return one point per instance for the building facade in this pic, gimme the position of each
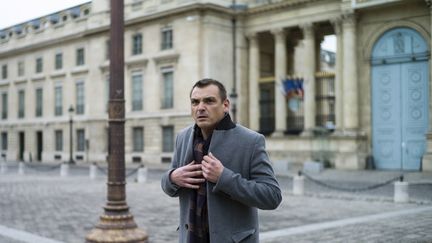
(372, 105)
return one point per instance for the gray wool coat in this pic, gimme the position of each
(247, 183)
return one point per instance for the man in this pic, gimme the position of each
(220, 172)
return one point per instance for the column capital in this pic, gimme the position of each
(251, 35)
(337, 25)
(349, 19)
(278, 32)
(253, 39)
(308, 29)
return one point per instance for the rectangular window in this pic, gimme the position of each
(39, 102)
(138, 139)
(166, 38)
(58, 101)
(136, 44)
(4, 72)
(80, 98)
(21, 104)
(168, 88)
(4, 140)
(325, 100)
(4, 106)
(39, 65)
(21, 69)
(59, 140)
(80, 140)
(137, 91)
(167, 139)
(137, 5)
(80, 57)
(59, 61)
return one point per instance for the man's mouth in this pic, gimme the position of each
(201, 116)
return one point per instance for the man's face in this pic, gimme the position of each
(207, 107)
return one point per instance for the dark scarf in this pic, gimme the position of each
(198, 230)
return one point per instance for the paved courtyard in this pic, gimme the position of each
(44, 207)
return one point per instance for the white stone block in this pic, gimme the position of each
(298, 185)
(93, 171)
(21, 168)
(401, 194)
(313, 167)
(142, 175)
(64, 170)
(3, 167)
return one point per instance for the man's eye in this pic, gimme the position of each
(209, 101)
(194, 102)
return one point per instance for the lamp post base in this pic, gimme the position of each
(117, 228)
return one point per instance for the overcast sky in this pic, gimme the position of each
(18, 11)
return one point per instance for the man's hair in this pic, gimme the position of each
(208, 81)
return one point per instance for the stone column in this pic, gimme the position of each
(280, 74)
(254, 73)
(339, 75)
(350, 86)
(309, 78)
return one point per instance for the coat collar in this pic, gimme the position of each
(225, 124)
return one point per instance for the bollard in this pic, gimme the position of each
(93, 171)
(21, 168)
(64, 170)
(401, 194)
(3, 167)
(298, 185)
(142, 175)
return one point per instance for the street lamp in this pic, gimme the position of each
(233, 98)
(71, 111)
(116, 224)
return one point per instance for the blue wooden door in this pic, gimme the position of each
(400, 79)
(415, 113)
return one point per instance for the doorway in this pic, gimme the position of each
(21, 138)
(400, 96)
(39, 145)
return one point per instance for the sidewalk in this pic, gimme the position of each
(65, 209)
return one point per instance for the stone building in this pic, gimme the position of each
(373, 103)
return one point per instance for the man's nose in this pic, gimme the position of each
(201, 106)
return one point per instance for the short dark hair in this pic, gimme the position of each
(208, 81)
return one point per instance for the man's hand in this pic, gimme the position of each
(189, 176)
(212, 168)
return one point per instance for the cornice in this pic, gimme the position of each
(278, 6)
(166, 58)
(102, 29)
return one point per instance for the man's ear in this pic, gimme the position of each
(226, 105)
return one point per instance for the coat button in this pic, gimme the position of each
(187, 226)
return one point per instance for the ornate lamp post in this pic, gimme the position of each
(71, 111)
(116, 224)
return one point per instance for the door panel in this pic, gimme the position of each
(386, 116)
(415, 113)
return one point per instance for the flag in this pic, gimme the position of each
(293, 87)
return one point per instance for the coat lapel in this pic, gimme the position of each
(189, 148)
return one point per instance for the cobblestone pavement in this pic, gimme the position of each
(65, 209)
